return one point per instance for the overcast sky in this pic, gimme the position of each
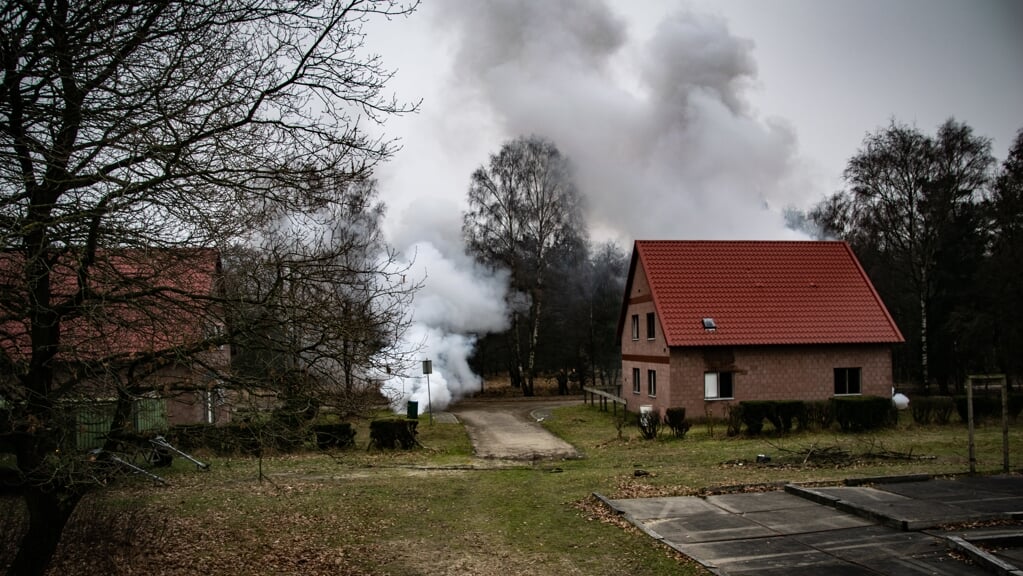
(697, 119)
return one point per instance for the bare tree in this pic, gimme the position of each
(318, 307)
(1006, 259)
(138, 128)
(906, 190)
(524, 213)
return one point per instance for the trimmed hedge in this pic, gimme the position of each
(754, 412)
(820, 415)
(221, 440)
(788, 410)
(853, 413)
(859, 413)
(932, 409)
(988, 407)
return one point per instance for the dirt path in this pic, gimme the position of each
(509, 429)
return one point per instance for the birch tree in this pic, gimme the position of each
(524, 213)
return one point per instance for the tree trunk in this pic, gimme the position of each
(48, 512)
(534, 337)
(515, 365)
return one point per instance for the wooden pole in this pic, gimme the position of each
(969, 417)
(1005, 425)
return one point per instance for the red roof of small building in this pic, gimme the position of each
(140, 301)
(761, 293)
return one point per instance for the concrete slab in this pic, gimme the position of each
(896, 510)
(988, 495)
(840, 530)
(647, 508)
(707, 527)
(759, 501)
(801, 521)
(757, 556)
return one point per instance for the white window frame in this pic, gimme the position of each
(635, 326)
(712, 386)
(636, 386)
(651, 383)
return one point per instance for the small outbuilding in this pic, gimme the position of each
(705, 324)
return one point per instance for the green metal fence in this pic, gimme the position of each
(93, 420)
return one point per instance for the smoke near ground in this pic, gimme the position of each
(459, 301)
(656, 122)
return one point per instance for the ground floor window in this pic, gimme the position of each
(847, 381)
(651, 383)
(717, 385)
(635, 381)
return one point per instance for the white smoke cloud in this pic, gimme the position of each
(663, 139)
(459, 301)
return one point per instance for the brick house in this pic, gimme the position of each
(705, 324)
(145, 327)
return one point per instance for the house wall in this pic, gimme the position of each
(646, 354)
(773, 373)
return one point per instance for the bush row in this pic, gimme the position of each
(939, 409)
(852, 413)
(248, 438)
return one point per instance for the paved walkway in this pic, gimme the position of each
(897, 528)
(510, 429)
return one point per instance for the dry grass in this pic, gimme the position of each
(438, 510)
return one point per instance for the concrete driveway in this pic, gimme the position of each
(509, 429)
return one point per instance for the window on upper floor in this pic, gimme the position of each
(847, 381)
(651, 332)
(718, 385)
(635, 326)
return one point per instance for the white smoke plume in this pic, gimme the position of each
(459, 301)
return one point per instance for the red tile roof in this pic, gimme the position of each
(761, 292)
(141, 301)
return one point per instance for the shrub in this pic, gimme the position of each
(754, 412)
(932, 409)
(676, 420)
(989, 406)
(393, 433)
(789, 410)
(339, 435)
(734, 420)
(649, 424)
(820, 414)
(859, 413)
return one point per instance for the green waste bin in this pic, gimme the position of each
(412, 410)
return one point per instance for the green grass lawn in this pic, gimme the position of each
(437, 510)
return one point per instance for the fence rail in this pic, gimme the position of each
(604, 397)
